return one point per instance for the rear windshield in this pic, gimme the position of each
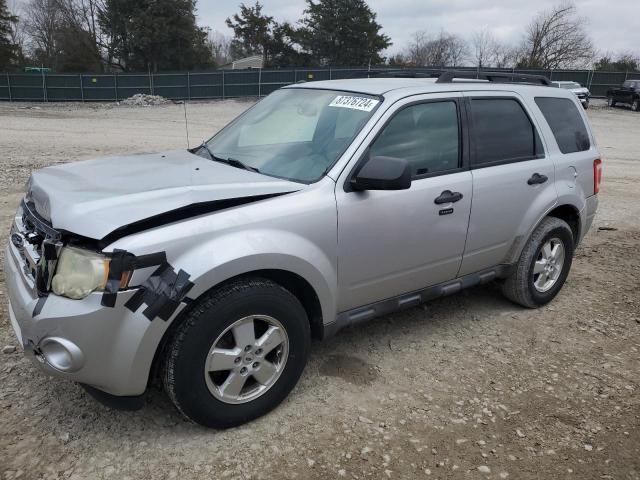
(295, 133)
(566, 123)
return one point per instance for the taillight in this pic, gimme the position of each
(597, 175)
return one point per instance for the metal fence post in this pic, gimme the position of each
(259, 82)
(188, 86)
(9, 86)
(330, 74)
(115, 84)
(223, 94)
(81, 88)
(295, 76)
(44, 87)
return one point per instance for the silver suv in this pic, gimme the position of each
(323, 206)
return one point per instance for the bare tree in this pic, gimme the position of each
(220, 47)
(444, 50)
(505, 56)
(485, 48)
(18, 34)
(557, 38)
(42, 20)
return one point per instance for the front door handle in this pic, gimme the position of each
(536, 179)
(448, 197)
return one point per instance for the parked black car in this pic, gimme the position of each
(628, 92)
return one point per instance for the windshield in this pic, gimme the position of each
(295, 133)
(570, 85)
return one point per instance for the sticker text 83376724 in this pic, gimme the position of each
(357, 103)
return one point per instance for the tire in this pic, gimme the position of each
(209, 322)
(635, 106)
(611, 102)
(586, 105)
(522, 286)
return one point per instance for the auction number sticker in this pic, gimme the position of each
(357, 103)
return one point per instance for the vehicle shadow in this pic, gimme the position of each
(339, 359)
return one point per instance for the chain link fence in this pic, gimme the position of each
(221, 84)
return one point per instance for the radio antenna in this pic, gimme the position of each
(186, 123)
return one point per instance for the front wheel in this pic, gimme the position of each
(635, 106)
(611, 102)
(543, 265)
(237, 354)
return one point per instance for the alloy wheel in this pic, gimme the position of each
(548, 266)
(246, 360)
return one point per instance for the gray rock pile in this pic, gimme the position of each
(144, 100)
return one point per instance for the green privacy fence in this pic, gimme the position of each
(221, 84)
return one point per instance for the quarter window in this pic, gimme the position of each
(503, 132)
(566, 124)
(426, 135)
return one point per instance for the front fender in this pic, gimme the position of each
(242, 252)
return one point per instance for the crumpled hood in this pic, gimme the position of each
(95, 197)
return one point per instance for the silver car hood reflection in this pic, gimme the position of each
(93, 198)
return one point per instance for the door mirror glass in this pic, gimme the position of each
(383, 173)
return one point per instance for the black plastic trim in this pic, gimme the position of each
(114, 401)
(411, 299)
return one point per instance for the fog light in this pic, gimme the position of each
(61, 354)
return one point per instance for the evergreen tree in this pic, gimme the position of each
(154, 34)
(251, 30)
(8, 50)
(258, 34)
(342, 33)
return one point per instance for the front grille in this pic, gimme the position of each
(39, 245)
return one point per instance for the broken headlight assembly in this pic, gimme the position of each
(80, 272)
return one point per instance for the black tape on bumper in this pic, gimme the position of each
(39, 304)
(162, 292)
(121, 262)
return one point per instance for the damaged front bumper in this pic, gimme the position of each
(108, 348)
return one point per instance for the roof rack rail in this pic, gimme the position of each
(402, 73)
(496, 77)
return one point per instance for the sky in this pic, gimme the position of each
(613, 24)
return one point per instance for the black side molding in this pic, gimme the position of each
(407, 300)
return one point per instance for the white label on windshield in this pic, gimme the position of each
(357, 103)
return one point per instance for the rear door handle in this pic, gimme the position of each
(448, 197)
(536, 179)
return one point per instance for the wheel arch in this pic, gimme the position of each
(571, 215)
(300, 287)
(566, 211)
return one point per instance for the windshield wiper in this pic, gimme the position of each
(229, 161)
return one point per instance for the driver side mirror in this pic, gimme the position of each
(383, 173)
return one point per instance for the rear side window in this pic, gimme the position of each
(503, 132)
(566, 124)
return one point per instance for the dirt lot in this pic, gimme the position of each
(470, 386)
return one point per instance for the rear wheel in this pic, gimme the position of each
(238, 353)
(635, 106)
(543, 265)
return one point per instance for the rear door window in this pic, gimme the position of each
(566, 124)
(502, 132)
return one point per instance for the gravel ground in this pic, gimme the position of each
(469, 386)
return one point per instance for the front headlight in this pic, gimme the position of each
(79, 272)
